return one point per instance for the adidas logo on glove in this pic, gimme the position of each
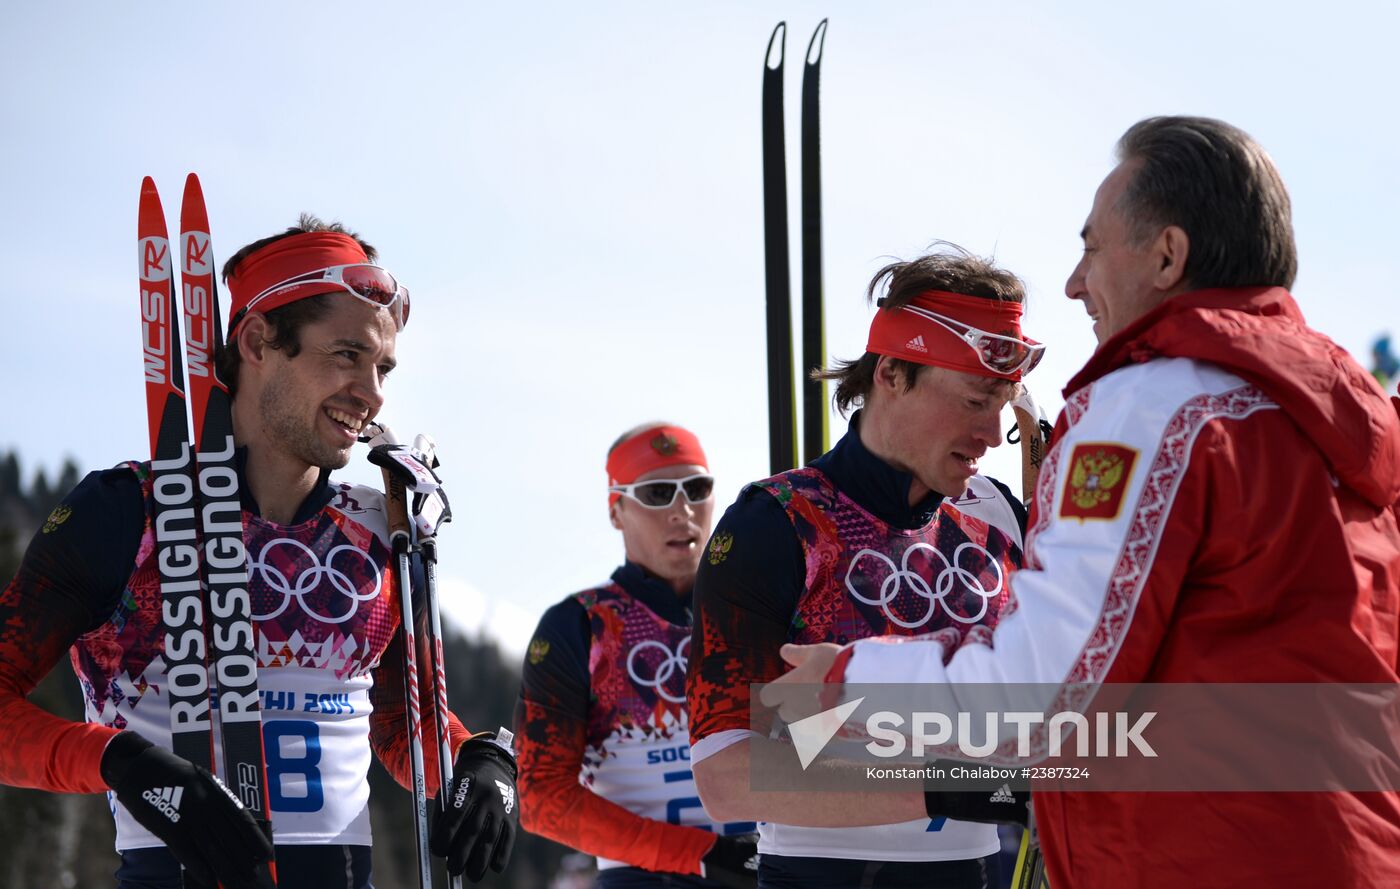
(1003, 795)
(166, 800)
(507, 795)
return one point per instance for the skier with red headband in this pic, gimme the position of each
(312, 335)
(601, 722)
(851, 546)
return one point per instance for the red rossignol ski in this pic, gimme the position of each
(172, 487)
(225, 560)
(172, 490)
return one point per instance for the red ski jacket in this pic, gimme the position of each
(1219, 506)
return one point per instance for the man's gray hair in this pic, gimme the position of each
(1219, 186)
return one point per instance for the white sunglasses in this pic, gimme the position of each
(1000, 354)
(659, 493)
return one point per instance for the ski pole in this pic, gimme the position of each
(396, 507)
(435, 662)
(428, 516)
(1033, 432)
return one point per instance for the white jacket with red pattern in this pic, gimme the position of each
(1219, 505)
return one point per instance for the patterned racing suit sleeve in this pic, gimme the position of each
(552, 731)
(744, 607)
(69, 582)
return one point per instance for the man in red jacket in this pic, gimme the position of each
(1218, 507)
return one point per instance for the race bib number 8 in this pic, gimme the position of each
(293, 752)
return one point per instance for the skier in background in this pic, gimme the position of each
(1384, 364)
(809, 556)
(310, 344)
(601, 723)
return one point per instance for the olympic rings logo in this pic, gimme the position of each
(953, 572)
(670, 663)
(311, 578)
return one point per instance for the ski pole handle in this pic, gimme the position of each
(396, 507)
(1034, 435)
(381, 440)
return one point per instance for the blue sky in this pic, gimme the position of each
(573, 194)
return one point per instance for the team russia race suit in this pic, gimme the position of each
(1249, 535)
(601, 726)
(325, 608)
(803, 557)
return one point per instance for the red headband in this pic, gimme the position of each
(653, 448)
(901, 334)
(284, 259)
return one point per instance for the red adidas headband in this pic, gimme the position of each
(651, 449)
(285, 259)
(984, 333)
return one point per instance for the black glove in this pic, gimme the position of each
(483, 813)
(203, 825)
(1003, 806)
(732, 861)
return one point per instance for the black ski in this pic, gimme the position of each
(782, 406)
(816, 427)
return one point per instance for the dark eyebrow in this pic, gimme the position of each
(361, 347)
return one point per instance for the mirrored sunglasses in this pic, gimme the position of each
(998, 353)
(363, 281)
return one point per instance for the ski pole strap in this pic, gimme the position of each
(413, 469)
(408, 465)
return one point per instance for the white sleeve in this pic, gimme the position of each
(1125, 451)
(713, 743)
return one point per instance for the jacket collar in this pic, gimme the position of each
(875, 485)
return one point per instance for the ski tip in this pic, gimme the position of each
(817, 43)
(193, 216)
(768, 60)
(150, 215)
(192, 186)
